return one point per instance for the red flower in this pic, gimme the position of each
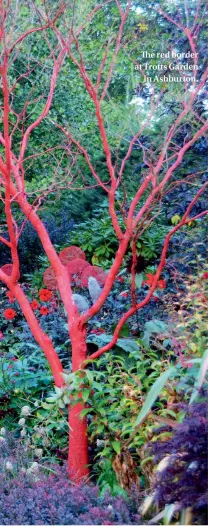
(10, 296)
(35, 305)
(44, 311)
(161, 284)
(205, 275)
(9, 314)
(1, 335)
(149, 279)
(45, 294)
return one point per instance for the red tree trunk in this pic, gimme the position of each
(78, 460)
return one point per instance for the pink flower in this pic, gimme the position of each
(1, 335)
(205, 275)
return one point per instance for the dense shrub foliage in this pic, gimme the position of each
(184, 479)
(34, 492)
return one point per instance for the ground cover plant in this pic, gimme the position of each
(103, 199)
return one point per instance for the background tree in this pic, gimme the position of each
(54, 45)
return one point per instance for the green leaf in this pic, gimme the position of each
(139, 279)
(127, 345)
(52, 399)
(85, 394)
(200, 377)
(169, 512)
(116, 446)
(45, 406)
(153, 394)
(89, 376)
(85, 412)
(105, 452)
(151, 327)
(100, 428)
(61, 404)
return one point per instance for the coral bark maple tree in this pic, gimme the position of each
(65, 48)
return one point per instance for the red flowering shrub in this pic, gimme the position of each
(94, 272)
(45, 294)
(161, 284)
(9, 314)
(44, 311)
(49, 279)
(35, 305)
(70, 253)
(75, 269)
(149, 279)
(7, 269)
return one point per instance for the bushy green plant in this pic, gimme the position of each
(98, 239)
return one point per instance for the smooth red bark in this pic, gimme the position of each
(78, 460)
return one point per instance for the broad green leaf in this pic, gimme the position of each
(153, 394)
(61, 404)
(97, 386)
(45, 406)
(155, 326)
(100, 429)
(169, 512)
(84, 412)
(89, 376)
(52, 399)
(116, 446)
(58, 390)
(148, 501)
(127, 345)
(105, 452)
(139, 279)
(85, 394)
